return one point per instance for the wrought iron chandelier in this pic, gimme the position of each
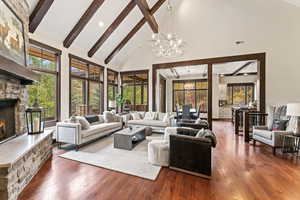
(168, 44)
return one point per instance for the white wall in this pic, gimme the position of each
(65, 70)
(211, 27)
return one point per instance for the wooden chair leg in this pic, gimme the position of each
(274, 151)
(254, 142)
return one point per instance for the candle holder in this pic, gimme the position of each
(35, 119)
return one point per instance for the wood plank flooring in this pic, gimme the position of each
(240, 172)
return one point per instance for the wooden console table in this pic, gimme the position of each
(250, 119)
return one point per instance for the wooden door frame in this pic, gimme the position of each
(261, 71)
(165, 93)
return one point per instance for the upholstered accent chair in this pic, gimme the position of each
(191, 150)
(267, 134)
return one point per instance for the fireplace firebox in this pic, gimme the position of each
(7, 119)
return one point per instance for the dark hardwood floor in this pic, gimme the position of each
(240, 172)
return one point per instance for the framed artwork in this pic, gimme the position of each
(12, 42)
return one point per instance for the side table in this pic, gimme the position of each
(290, 144)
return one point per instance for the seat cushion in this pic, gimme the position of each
(95, 129)
(263, 133)
(155, 123)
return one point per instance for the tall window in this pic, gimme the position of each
(193, 92)
(112, 88)
(135, 89)
(45, 61)
(240, 93)
(86, 87)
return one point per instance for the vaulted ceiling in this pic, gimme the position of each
(119, 17)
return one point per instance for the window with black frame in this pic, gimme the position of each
(112, 89)
(135, 90)
(240, 93)
(86, 87)
(45, 61)
(193, 92)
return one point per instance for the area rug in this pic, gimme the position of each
(103, 154)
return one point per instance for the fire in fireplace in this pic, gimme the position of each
(7, 119)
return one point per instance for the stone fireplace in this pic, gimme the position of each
(23, 156)
(7, 119)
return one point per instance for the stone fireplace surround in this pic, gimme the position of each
(23, 156)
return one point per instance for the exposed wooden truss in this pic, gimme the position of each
(85, 18)
(38, 14)
(144, 7)
(133, 32)
(112, 28)
(241, 68)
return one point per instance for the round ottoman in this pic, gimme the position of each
(158, 153)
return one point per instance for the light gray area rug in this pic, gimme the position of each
(103, 154)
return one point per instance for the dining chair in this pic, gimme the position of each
(197, 114)
(186, 114)
(178, 115)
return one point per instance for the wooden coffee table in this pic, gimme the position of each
(129, 137)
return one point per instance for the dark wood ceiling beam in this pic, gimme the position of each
(241, 68)
(112, 28)
(83, 21)
(38, 14)
(144, 7)
(133, 32)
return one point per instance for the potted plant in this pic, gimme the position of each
(120, 100)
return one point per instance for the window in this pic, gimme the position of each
(135, 89)
(45, 61)
(240, 93)
(86, 87)
(112, 87)
(193, 92)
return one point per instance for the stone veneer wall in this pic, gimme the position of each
(10, 88)
(16, 177)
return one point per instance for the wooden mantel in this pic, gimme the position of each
(15, 70)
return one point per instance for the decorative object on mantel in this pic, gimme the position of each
(12, 43)
(168, 44)
(35, 119)
(293, 110)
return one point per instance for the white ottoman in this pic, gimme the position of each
(158, 152)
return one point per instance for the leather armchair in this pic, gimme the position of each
(191, 154)
(192, 124)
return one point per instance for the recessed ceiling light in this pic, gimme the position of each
(245, 74)
(101, 24)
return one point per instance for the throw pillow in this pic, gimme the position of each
(201, 133)
(279, 125)
(92, 118)
(110, 117)
(150, 116)
(166, 118)
(136, 116)
(271, 111)
(101, 119)
(161, 116)
(83, 122)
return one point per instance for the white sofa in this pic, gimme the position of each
(159, 122)
(72, 133)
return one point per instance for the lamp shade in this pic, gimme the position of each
(293, 109)
(112, 104)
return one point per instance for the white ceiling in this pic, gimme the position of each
(64, 14)
(199, 70)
